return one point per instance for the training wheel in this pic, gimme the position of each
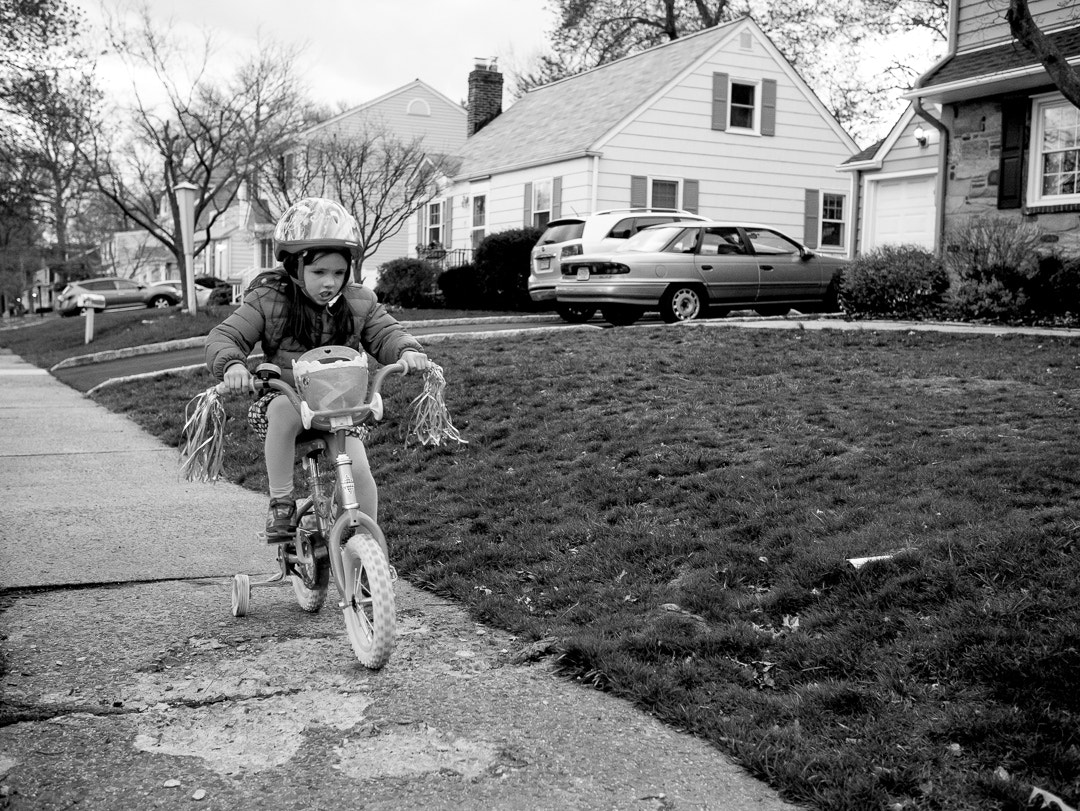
(241, 595)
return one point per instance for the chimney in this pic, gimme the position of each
(485, 94)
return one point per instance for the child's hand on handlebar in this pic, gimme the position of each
(237, 378)
(414, 361)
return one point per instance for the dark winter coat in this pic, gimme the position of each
(261, 319)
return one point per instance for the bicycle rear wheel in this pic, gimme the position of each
(310, 581)
(370, 618)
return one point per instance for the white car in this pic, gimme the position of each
(568, 237)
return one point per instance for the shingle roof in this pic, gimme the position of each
(1003, 58)
(569, 116)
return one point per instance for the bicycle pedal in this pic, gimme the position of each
(277, 540)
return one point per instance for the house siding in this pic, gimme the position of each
(981, 23)
(740, 176)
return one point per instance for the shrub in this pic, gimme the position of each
(1006, 274)
(460, 287)
(407, 282)
(502, 268)
(905, 281)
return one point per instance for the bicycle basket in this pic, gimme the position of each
(332, 378)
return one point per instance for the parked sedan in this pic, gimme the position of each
(113, 292)
(685, 269)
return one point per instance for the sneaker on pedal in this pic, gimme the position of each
(281, 520)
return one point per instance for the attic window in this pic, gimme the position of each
(743, 105)
(418, 107)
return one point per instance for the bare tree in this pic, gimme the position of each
(57, 117)
(1027, 33)
(213, 134)
(382, 179)
(34, 34)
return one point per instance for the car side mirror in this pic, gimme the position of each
(807, 254)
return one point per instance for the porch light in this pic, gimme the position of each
(921, 138)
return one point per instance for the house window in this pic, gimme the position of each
(541, 203)
(664, 194)
(434, 223)
(479, 218)
(832, 220)
(743, 107)
(266, 253)
(1055, 158)
(221, 259)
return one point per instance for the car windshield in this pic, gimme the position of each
(561, 232)
(653, 239)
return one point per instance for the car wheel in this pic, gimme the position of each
(575, 313)
(160, 302)
(767, 310)
(682, 303)
(621, 315)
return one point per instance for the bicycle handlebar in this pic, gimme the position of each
(362, 411)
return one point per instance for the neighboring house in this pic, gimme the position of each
(137, 255)
(716, 123)
(413, 111)
(1009, 139)
(896, 186)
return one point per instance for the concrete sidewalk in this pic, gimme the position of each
(121, 688)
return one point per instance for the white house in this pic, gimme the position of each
(717, 123)
(896, 182)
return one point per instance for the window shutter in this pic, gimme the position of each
(719, 101)
(1011, 167)
(810, 218)
(690, 196)
(448, 222)
(527, 206)
(421, 231)
(556, 198)
(768, 107)
(639, 191)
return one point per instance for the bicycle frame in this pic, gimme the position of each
(329, 448)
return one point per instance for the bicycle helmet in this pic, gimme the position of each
(316, 223)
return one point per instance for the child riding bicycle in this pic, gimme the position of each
(309, 301)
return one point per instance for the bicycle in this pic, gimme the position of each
(328, 512)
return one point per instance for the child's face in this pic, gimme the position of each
(324, 277)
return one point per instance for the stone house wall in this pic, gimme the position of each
(974, 169)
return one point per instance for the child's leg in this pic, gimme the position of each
(283, 424)
(367, 494)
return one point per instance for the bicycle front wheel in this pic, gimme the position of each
(370, 617)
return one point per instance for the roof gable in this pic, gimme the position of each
(569, 117)
(371, 107)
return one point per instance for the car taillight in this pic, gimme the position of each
(570, 250)
(596, 268)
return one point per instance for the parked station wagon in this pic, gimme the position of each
(686, 270)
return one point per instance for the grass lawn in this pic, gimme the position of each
(675, 508)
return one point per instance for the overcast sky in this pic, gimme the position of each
(357, 50)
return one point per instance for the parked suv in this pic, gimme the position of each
(115, 293)
(604, 231)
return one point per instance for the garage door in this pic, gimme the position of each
(903, 213)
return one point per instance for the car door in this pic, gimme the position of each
(128, 292)
(787, 274)
(725, 265)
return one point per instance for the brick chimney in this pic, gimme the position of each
(485, 95)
